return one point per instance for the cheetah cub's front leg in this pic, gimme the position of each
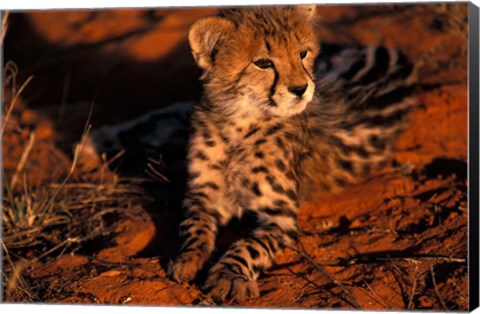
(206, 206)
(267, 187)
(234, 276)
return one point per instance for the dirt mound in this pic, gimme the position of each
(395, 241)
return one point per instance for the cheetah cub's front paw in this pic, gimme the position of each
(224, 284)
(185, 268)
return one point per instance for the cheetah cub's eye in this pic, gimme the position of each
(263, 63)
(303, 54)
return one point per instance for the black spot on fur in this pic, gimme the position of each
(185, 227)
(239, 259)
(245, 182)
(377, 142)
(280, 144)
(206, 134)
(360, 151)
(200, 232)
(252, 132)
(345, 164)
(280, 165)
(194, 175)
(216, 216)
(215, 167)
(201, 155)
(210, 143)
(258, 269)
(189, 242)
(291, 194)
(290, 175)
(224, 139)
(254, 254)
(263, 245)
(256, 190)
(259, 154)
(275, 186)
(280, 203)
(273, 129)
(260, 142)
(278, 212)
(292, 234)
(271, 245)
(346, 149)
(197, 195)
(260, 169)
(291, 137)
(211, 185)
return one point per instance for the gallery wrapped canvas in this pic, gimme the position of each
(295, 156)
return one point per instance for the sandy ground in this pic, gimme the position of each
(395, 241)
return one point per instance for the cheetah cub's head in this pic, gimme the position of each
(257, 61)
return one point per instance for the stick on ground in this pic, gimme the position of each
(323, 271)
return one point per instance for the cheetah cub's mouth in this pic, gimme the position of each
(289, 101)
(255, 63)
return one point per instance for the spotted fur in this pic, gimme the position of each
(277, 123)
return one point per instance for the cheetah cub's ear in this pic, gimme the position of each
(205, 37)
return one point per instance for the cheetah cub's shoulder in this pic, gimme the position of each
(258, 129)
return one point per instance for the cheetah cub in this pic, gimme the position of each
(266, 133)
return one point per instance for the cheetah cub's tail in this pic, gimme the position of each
(148, 135)
(364, 96)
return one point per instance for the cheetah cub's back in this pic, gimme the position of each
(263, 125)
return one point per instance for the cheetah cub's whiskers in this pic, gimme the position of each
(266, 134)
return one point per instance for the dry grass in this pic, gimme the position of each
(56, 219)
(4, 26)
(58, 215)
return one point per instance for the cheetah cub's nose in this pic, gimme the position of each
(298, 90)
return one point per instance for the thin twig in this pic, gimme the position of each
(155, 174)
(323, 271)
(18, 269)
(375, 259)
(78, 149)
(12, 104)
(4, 26)
(379, 299)
(23, 159)
(436, 289)
(413, 288)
